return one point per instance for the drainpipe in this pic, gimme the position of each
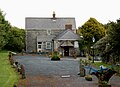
(52, 45)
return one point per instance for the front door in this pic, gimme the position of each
(66, 51)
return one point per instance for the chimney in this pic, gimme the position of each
(68, 26)
(53, 14)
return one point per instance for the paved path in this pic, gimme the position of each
(42, 72)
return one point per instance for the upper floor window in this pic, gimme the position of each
(39, 42)
(48, 32)
(48, 45)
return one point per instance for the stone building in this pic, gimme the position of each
(49, 34)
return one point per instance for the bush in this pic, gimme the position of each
(88, 78)
(55, 56)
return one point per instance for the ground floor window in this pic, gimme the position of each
(48, 45)
(39, 46)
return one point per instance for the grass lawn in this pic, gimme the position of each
(8, 76)
(98, 64)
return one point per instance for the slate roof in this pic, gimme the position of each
(67, 43)
(45, 38)
(67, 35)
(49, 23)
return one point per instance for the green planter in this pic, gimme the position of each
(55, 56)
(55, 59)
(102, 85)
(88, 78)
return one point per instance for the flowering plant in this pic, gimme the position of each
(88, 78)
(104, 75)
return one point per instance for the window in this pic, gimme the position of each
(48, 45)
(48, 32)
(39, 42)
(39, 46)
(76, 44)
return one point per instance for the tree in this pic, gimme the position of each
(91, 28)
(103, 49)
(16, 40)
(110, 44)
(2, 40)
(4, 29)
(11, 38)
(114, 40)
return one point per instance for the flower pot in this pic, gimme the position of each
(103, 85)
(88, 78)
(55, 59)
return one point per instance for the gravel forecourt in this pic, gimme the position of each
(42, 72)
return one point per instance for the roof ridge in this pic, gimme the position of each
(63, 33)
(48, 22)
(49, 17)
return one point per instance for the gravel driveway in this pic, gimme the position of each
(42, 72)
(44, 66)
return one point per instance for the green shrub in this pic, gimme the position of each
(88, 78)
(55, 56)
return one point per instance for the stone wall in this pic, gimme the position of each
(31, 38)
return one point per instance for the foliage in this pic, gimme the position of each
(85, 62)
(104, 75)
(115, 67)
(55, 56)
(110, 44)
(89, 57)
(11, 38)
(74, 53)
(91, 28)
(4, 29)
(82, 47)
(8, 76)
(98, 64)
(114, 40)
(16, 40)
(88, 77)
(2, 39)
(102, 47)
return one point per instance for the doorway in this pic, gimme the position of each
(66, 51)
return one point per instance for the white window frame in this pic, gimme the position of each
(76, 44)
(39, 49)
(49, 32)
(48, 45)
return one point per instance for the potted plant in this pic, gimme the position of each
(88, 77)
(55, 56)
(74, 54)
(104, 76)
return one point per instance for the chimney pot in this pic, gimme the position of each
(53, 14)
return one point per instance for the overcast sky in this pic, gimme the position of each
(82, 10)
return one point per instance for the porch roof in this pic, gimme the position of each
(67, 43)
(67, 35)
